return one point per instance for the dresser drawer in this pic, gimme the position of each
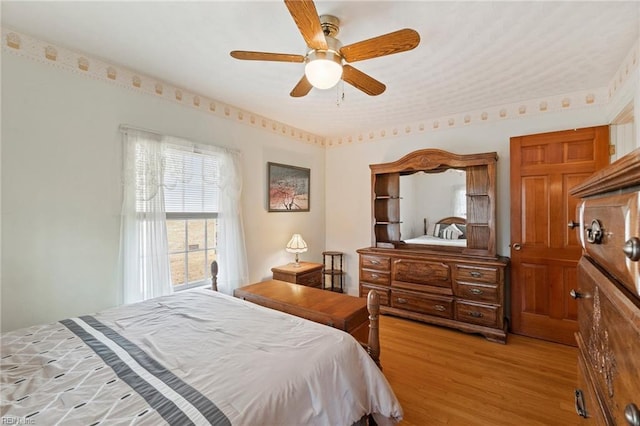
(380, 263)
(607, 224)
(476, 273)
(475, 313)
(374, 277)
(609, 327)
(439, 306)
(477, 292)
(587, 402)
(383, 292)
(422, 272)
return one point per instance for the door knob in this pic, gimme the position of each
(573, 224)
(575, 294)
(516, 246)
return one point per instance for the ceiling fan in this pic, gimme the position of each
(324, 61)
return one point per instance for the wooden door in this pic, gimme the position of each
(544, 250)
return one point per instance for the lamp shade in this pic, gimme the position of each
(323, 69)
(296, 244)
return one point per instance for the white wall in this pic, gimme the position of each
(61, 188)
(349, 208)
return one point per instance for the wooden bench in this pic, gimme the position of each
(351, 314)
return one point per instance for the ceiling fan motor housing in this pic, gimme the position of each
(330, 25)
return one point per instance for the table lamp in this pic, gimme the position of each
(296, 245)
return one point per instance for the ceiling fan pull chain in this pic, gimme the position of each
(339, 93)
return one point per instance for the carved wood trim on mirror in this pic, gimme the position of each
(480, 199)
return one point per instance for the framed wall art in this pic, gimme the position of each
(288, 188)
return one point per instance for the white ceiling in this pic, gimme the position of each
(472, 55)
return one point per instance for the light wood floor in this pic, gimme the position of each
(446, 377)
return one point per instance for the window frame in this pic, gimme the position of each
(191, 216)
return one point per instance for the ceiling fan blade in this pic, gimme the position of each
(305, 15)
(302, 88)
(388, 44)
(265, 56)
(362, 81)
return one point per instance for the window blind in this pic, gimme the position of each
(191, 182)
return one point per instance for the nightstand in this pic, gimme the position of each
(308, 273)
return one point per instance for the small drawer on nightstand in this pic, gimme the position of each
(305, 273)
(311, 279)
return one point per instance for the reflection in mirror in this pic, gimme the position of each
(426, 200)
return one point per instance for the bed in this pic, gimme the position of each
(449, 231)
(195, 357)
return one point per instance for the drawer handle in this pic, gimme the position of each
(631, 249)
(476, 291)
(439, 308)
(476, 314)
(632, 414)
(375, 276)
(579, 403)
(594, 233)
(375, 262)
(401, 300)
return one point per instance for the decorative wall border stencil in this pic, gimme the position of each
(568, 101)
(627, 68)
(29, 47)
(23, 45)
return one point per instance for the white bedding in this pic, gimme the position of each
(227, 361)
(428, 239)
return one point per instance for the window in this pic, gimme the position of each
(191, 205)
(460, 201)
(180, 211)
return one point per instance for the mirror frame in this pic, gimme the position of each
(481, 206)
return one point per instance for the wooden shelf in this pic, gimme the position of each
(333, 273)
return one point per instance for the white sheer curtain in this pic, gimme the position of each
(144, 247)
(231, 251)
(232, 258)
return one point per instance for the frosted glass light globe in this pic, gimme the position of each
(324, 73)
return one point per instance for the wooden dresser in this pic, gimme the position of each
(608, 294)
(457, 286)
(308, 273)
(466, 293)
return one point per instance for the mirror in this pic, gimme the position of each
(419, 213)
